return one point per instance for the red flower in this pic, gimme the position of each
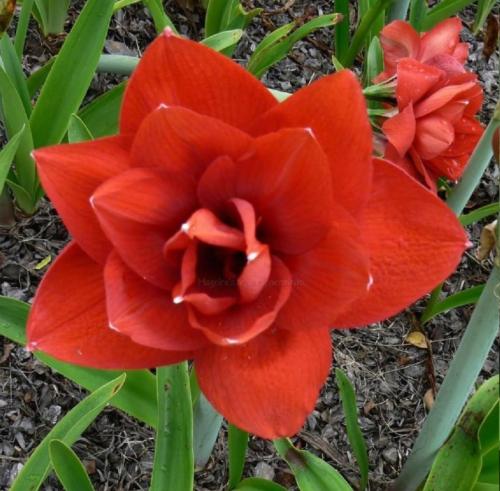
(435, 131)
(440, 47)
(223, 227)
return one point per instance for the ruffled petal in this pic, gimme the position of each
(70, 174)
(144, 313)
(442, 39)
(178, 72)
(183, 142)
(287, 180)
(335, 110)
(243, 322)
(139, 210)
(399, 40)
(269, 385)
(68, 320)
(415, 243)
(328, 278)
(433, 136)
(414, 81)
(400, 130)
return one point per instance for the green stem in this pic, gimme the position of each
(22, 27)
(283, 446)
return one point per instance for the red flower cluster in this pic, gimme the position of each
(435, 130)
(223, 227)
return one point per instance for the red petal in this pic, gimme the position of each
(447, 63)
(449, 167)
(70, 174)
(245, 321)
(145, 313)
(184, 142)
(399, 40)
(442, 39)
(400, 129)
(179, 72)
(461, 52)
(415, 243)
(335, 109)
(269, 385)
(139, 210)
(441, 97)
(414, 81)
(68, 320)
(328, 278)
(433, 136)
(287, 180)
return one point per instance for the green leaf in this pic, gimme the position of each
(68, 467)
(489, 469)
(256, 484)
(22, 27)
(262, 59)
(418, 11)
(101, 116)
(52, 15)
(223, 40)
(238, 442)
(224, 15)
(460, 378)
(160, 18)
(484, 7)
(7, 156)
(363, 30)
(342, 36)
(174, 460)
(207, 424)
(489, 432)
(73, 70)
(311, 473)
(138, 395)
(458, 463)
(14, 70)
(465, 297)
(442, 11)
(398, 10)
(374, 63)
(348, 398)
(15, 118)
(69, 429)
(78, 131)
(37, 78)
(479, 214)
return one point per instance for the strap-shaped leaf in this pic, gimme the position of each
(69, 429)
(238, 442)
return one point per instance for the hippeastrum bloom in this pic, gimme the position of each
(440, 47)
(435, 131)
(222, 227)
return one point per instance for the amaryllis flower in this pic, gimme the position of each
(440, 47)
(435, 131)
(225, 228)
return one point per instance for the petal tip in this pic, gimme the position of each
(168, 32)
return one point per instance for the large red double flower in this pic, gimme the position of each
(223, 227)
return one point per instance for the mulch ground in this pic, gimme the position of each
(391, 376)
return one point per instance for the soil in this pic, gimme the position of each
(390, 375)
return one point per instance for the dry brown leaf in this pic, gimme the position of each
(490, 36)
(7, 8)
(369, 407)
(429, 399)
(487, 241)
(7, 348)
(417, 338)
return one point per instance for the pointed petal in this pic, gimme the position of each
(178, 72)
(447, 63)
(415, 243)
(183, 142)
(70, 174)
(145, 313)
(433, 136)
(328, 278)
(246, 321)
(68, 319)
(414, 81)
(399, 40)
(139, 210)
(400, 130)
(269, 385)
(335, 110)
(442, 39)
(287, 180)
